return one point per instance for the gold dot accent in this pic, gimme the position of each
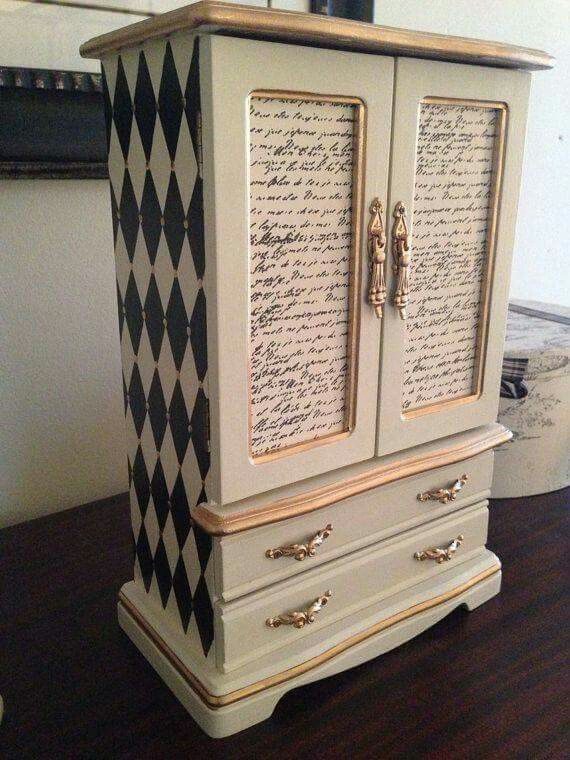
(164, 321)
(185, 223)
(140, 217)
(162, 221)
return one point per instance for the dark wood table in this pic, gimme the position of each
(491, 683)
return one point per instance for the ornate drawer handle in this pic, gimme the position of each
(444, 495)
(438, 554)
(376, 258)
(402, 259)
(300, 619)
(301, 551)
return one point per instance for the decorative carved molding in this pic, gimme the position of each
(52, 124)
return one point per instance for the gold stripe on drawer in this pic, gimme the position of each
(317, 498)
(217, 701)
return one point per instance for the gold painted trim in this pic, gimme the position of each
(314, 29)
(354, 285)
(491, 258)
(309, 501)
(217, 701)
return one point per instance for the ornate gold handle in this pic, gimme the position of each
(300, 619)
(444, 495)
(376, 258)
(440, 554)
(301, 551)
(402, 259)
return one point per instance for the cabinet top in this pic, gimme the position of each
(213, 17)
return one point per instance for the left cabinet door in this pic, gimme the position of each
(296, 147)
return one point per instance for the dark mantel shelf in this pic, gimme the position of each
(491, 683)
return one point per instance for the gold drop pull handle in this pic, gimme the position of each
(300, 619)
(402, 259)
(444, 495)
(301, 551)
(376, 258)
(440, 554)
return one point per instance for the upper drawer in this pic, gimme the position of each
(242, 564)
(355, 583)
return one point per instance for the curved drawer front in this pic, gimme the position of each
(242, 564)
(251, 627)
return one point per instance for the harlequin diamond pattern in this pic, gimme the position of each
(152, 100)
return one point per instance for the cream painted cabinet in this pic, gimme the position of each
(313, 223)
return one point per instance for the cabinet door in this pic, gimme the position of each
(296, 144)
(458, 140)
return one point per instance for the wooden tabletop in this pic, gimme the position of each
(491, 683)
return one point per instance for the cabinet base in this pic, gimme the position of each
(227, 713)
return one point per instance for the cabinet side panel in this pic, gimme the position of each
(152, 101)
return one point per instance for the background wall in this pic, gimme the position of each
(540, 269)
(62, 432)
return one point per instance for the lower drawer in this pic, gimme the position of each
(241, 561)
(354, 582)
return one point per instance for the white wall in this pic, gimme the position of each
(541, 270)
(61, 431)
(61, 409)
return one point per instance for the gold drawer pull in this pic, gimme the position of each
(438, 554)
(376, 258)
(444, 495)
(300, 619)
(402, 259)
(301, 551)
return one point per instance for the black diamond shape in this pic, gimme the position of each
(125, 393)
(145, 557)
(196, 229)
(157, 410)
(107, 107)
(198, 336)
(192, 97)
(203, 545)
(182, 593)
(145, 106)
(154, 317)
(180, 511)
(151, 215)
(129, 468)
(122, 109)
(129, 215)
(162, 571)
(120, 310)
(177, 323)
(199, 435)
(137, 400)
(141, 481)
(159, 491)
(179, 422)
(133, 312)
(114, 214)
(204, 615)
(174, 220)
(170, 104)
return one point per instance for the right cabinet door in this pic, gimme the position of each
(458, 140)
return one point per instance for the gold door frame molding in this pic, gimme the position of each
(215, 701)
(308, 501)
(358, 167)
(491, 250)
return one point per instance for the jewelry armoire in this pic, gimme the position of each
(313, 222)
